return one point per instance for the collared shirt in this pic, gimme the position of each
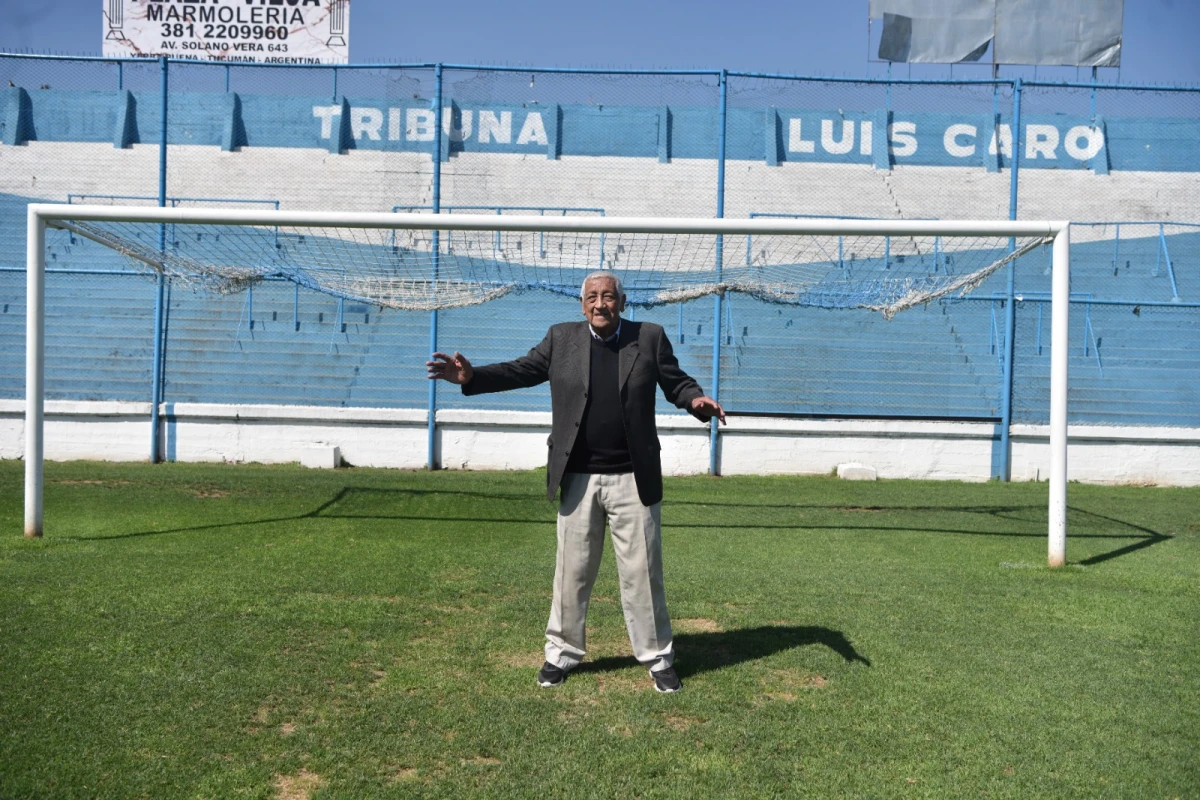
(608, 339)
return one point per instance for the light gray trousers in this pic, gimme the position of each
(585, 504)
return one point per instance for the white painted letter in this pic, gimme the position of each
(1095, 142)
(902, 139)
(796, 143)
(866, 135)
(326, 115)
(953, 147)
(393, 124)
(533, 130)
(420, 125)
(499, 129)
(1040, 139)
(366, 121)
(845, 145)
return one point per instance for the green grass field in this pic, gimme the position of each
(250, 631)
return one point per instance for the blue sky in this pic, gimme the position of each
(801, 37)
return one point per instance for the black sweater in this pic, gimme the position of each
(601, 446)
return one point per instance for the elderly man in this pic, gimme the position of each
(604, 455)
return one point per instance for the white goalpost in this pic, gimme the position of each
(422, 261)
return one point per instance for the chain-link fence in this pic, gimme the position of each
(1119, 162)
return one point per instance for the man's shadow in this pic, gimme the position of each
(705, 652)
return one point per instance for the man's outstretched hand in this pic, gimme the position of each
(705, 408)
(455, 368)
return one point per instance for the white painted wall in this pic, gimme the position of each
(476, 439)
(364, 180)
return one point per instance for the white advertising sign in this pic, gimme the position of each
(248, 31)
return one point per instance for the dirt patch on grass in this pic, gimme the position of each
(681, 722)
(209, 493)
(459, 609)
(325, 597)
(404, 774)
(297, 787)
(459, 575)
(481, 761)
(788, 684)
(781, 697)
(696, 625)
(578, 708)
(527, 659)
(623, 682)
(287, 729)
(813, 681)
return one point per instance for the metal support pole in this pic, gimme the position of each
(714, 467)
(35, 370)
(160, 284)
(1092, 105)
(431, 461)
(1010, 316)
(1010, 327)
(1059, 317)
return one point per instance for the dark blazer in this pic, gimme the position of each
(563, 358)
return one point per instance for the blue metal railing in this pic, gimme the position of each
(1162, 247)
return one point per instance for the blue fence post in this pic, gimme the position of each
(436, 156)
(713, 436)
(156, 389)
(1002, 461)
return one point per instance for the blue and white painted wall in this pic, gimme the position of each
(363, 152)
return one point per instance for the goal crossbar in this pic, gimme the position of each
(65, 216)
(53, 212)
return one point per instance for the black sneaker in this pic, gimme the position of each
(551, 675)
(666, 681)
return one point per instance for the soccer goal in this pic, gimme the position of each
(421, 261)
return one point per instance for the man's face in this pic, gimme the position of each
(602, 305)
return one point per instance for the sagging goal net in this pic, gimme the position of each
(426, 261)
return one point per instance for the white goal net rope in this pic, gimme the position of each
(411, 269)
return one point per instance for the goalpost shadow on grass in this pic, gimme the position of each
(373, 503)
(1146, 537)
(707, 652)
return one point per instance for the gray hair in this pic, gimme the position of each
(606, 275)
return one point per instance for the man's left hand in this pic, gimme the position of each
(705, 408)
